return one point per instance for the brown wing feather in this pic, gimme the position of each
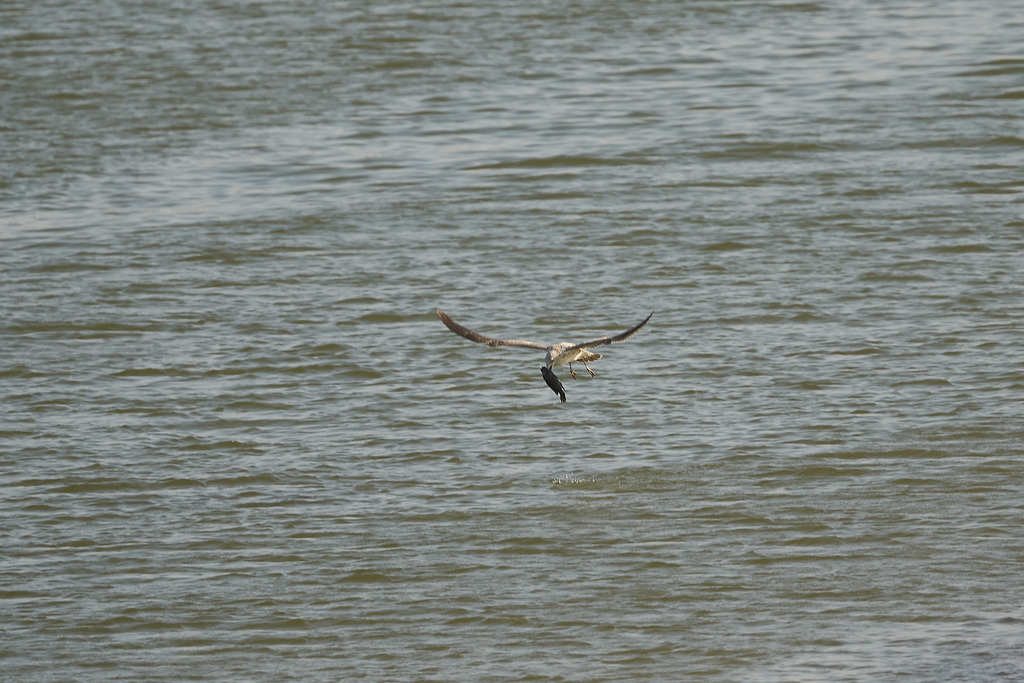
(482, 339)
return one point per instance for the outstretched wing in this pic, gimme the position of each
(490, 341)
(603, 340)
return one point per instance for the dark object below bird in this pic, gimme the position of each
(553, 382)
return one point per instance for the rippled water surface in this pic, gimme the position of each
(236, 442)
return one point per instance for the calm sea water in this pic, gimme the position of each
(236, 443)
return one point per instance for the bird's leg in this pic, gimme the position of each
(592, 373)
(572, 372)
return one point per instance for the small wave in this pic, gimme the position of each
(383, 317)
(973, 248)
(366, 576)
(561, 160)
(643, 479)
(924, 381)
(725, 245)
(67, 267)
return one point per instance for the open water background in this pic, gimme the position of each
(235, 442)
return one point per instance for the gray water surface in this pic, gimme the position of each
(236, 443)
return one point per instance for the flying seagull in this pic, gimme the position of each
(562, 353)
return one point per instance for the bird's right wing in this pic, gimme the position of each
(477, 337)
(622, 336)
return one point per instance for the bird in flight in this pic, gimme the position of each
(562, 353)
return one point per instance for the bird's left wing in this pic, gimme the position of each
(490, 341)
(603, 340)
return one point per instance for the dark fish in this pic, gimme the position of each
(553, 382)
